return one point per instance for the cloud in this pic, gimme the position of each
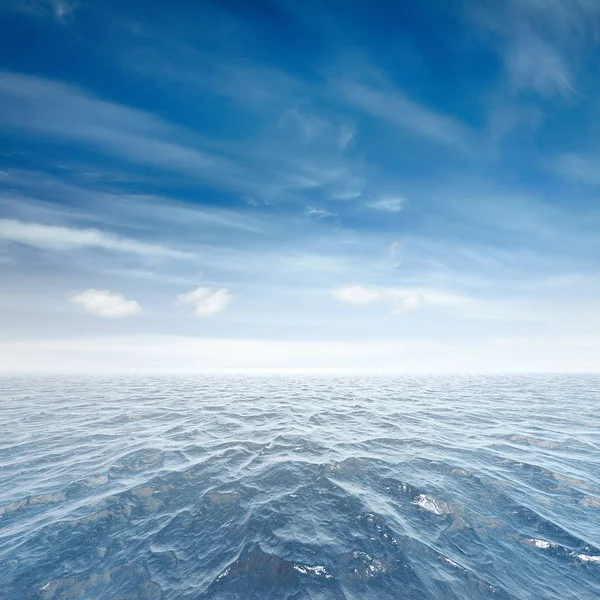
(62, 111)
(402, 304)
(348, 188)
(394, 248)
(102, 303)
(533, 64)
(398, 300)
(308, 126)
(264, 168)
(61, 10)
(52, 237)
(396, 108)
(318, 213)
(388, 204)
(585, 169)
(562, 16)
(542, 43)
(207, 301)
(357, 295)
(299, 153)
(346, 135)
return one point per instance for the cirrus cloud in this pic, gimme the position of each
(103, 303)
(207, 301)
(53, 237)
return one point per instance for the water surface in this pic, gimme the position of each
(178, 487)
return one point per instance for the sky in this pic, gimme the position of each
(230, 185)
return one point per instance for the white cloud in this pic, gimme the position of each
(52, 237)
(585, 169)
(348, 189)
(63, 8)
(308, 126)
(388, 204)
(560, 15)
(51, 108)
(398, 300)
(357, 295)
(60, 9)
(346, 135)
(394, 107)
(318, 213)
(394, 248)
(541, 42)
(401, 304)
(274, 164)
(207, 301)
(103, 303)
(534, 64)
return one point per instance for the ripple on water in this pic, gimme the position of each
(290, 487)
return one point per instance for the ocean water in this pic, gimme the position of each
(283, 486)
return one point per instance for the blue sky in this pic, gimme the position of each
(403, 186)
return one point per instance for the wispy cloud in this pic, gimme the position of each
(87, 203)
(52, 237)
(102, 303)
(64, 112)
(301, 155)
(398, 300)
(577, 167)
(207, 301)
(390, 204)
(308, 126)
(318, 213)
(394, 248)
(61, 10)
(395, 107)
(534, 64)
(541, 42)
(346, 136)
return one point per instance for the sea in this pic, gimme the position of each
(299, 486)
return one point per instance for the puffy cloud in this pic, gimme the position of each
(207, 301)
(52, 237)
(103, 303)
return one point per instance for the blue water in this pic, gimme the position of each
(300, 487)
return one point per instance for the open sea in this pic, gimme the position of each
(300, 487)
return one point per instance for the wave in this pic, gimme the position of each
(299, 488)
